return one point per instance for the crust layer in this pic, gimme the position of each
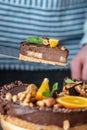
(12, 124)
(32, 59)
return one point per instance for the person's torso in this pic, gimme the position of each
(62, 19)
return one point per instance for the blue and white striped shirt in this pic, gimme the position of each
(62, 19)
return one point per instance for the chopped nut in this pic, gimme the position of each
(62, 59)
(40, 103)
(9, 96)
(45, 42)
(22, 97)
(31, 104)
(32, 89)
(26, 100)
(19, 94)
(25, 97)
(56, 106)
(15, 98)
(28, 96)
(24, 103)
(49, 102)
(63, 48)
(82, 89)
(66, 125)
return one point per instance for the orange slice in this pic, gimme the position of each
(44, 86)
(72, 102)
(53, 42)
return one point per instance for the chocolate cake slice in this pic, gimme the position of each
(19, 110)
(43, 50)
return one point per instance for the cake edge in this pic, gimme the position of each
(10, 123)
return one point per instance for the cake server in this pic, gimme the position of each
(12, 51)
(9, 52)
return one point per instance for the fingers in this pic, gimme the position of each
(79, 65)
(76, 68)
(79, 69)
(84, 71)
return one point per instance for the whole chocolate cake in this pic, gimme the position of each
(25, 107)
(44, 50)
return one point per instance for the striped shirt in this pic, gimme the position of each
(62, 19)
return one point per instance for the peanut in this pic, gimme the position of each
(40, 103)
(66, 125)
(49, 102)
(9, 96)
(56, 106)
(31, 104)
(63, 48)
(15, 98)
(19, 94)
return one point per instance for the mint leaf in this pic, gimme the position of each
(35, 40)
(69, 81)
(47, 93)
(55, 86)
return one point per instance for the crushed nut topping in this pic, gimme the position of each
(28, 97)
(77, 88)
(82, 89)
(25, 97)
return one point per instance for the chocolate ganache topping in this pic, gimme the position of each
(38, 115)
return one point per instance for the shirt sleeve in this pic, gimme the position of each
(84, 38)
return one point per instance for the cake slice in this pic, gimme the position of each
(43, 50)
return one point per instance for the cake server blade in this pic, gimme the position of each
(9, 52)
(7, 56)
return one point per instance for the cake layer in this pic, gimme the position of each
(44, 54)
(47, 116)
(43, 116)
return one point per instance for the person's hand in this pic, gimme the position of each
(79, 65)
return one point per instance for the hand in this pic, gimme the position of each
(79, 65)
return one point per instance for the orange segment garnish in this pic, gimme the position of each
(72, 102)
(53, 42)
(44, 86)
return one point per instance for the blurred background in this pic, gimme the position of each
(7, 76)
